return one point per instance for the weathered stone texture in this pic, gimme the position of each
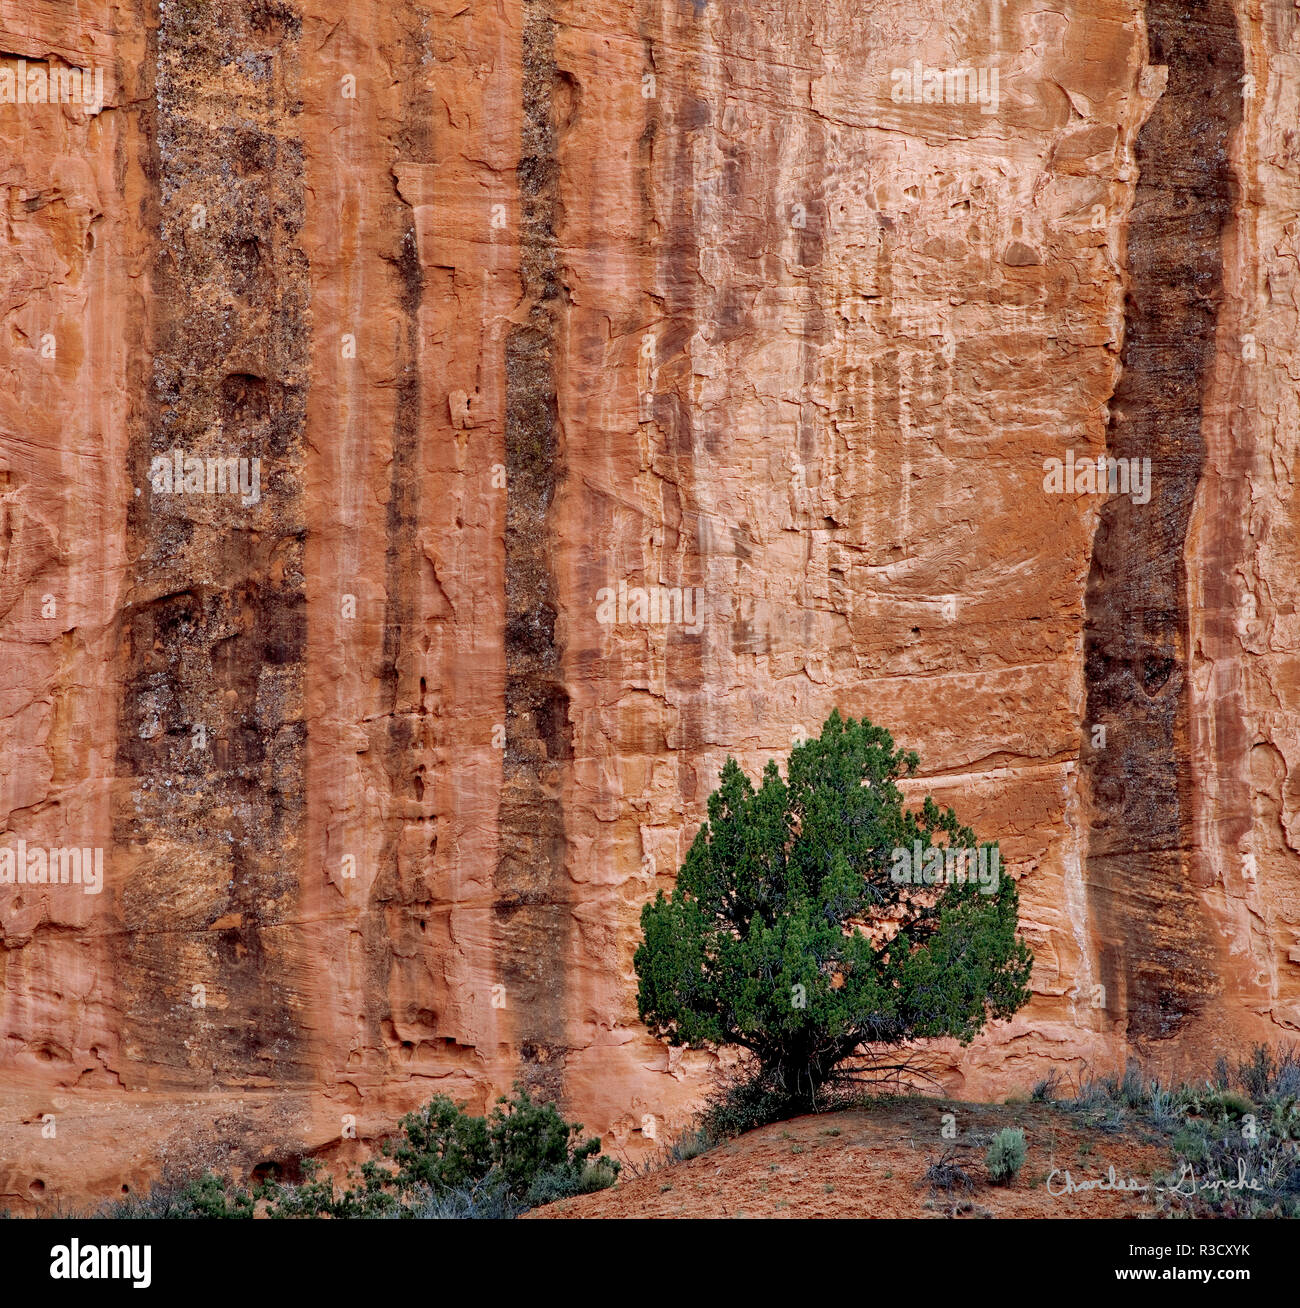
(516, 302)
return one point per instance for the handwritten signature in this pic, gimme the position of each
(1187, 1184)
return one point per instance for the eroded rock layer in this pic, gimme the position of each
(516, 311)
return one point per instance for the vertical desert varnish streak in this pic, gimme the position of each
(1156, 953)
(208, 826)
(532, 878)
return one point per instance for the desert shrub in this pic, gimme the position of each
(441, 1146)
(480, 1201)
(316, 1196)
(1286, 1076)
(1006, 1155)
(1163, 1108)
(1284, 1118)
(1255, 1075)
(1270, 1073)
(210, 1198)
(744, 1100)
(946, 1174)
(1090, 1095)
(536, 1151)
(1234, 1106)
(557, 1183)
(1227, 1175)
(1190, 1144)
(445, 1162)
(1132, 1090)
(1212, 1102)
(524, 1148)
(691, 1144)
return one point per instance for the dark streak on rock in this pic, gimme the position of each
(401, 895)
(532, 880)
(1157, 960)
(214, 627)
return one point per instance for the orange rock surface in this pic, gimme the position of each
(514, 302)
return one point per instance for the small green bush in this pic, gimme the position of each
(1191, 1144)
(744, 1102)
(445, 1163)
(441, 1146)
(1215, 1103)
(315, 1195)
(1005, 1155)
(690, 1144)
(537, 1152)
(210, 1198)
(521, 1155)
(561, 1183)
(1235, 1106)
(1284, 1121)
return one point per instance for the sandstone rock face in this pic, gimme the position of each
(365, 364)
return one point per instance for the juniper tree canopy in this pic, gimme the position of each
(792, 933)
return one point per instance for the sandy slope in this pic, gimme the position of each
(869, 1163)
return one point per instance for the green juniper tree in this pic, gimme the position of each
(792, 934)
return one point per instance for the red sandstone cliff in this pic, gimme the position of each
(514, 302)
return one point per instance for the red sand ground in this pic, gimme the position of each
(869, 1163)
